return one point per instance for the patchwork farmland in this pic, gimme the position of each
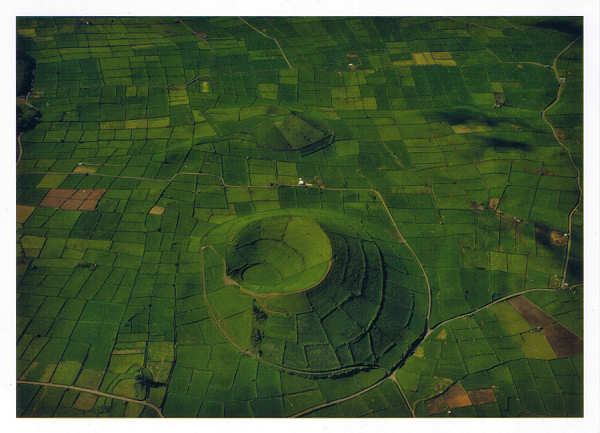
(299, 217)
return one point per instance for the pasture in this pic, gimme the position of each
(300, 216)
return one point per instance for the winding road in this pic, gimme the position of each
(95, 392)
(506, 298)
(392, 374)
(562, 83)
(428, 329)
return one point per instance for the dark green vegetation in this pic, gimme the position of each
(422, 270)
(27, 117)
(25, 67)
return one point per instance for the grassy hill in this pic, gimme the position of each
(169, 262)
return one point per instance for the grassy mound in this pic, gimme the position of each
(306, 133)
(279, 254)
(366, 310)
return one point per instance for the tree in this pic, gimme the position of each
(145, 378)
(26, 119)
(259, 314)
(256, 336)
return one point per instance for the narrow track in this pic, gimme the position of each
(24, 101)
(429, 329)
(20, 148)
(391, 375)
(400, 237)
(218, 323)
(223, 184)
(95, 392)
(566, 148)
(412, 411)
(489, 304)
(339, 400)
(269, 37)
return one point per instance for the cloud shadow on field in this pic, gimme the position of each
(461, 116)
(562, 26)
(500, 143)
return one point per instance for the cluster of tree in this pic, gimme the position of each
(259, 314)
(27, 119)
(25, 67)
(256, 336)
(145, 378)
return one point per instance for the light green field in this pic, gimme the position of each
(291, 254)
(430, 264)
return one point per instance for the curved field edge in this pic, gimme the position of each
(426, 386)
(244, 309)
(185, 366)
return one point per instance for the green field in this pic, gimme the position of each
(300, 216)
